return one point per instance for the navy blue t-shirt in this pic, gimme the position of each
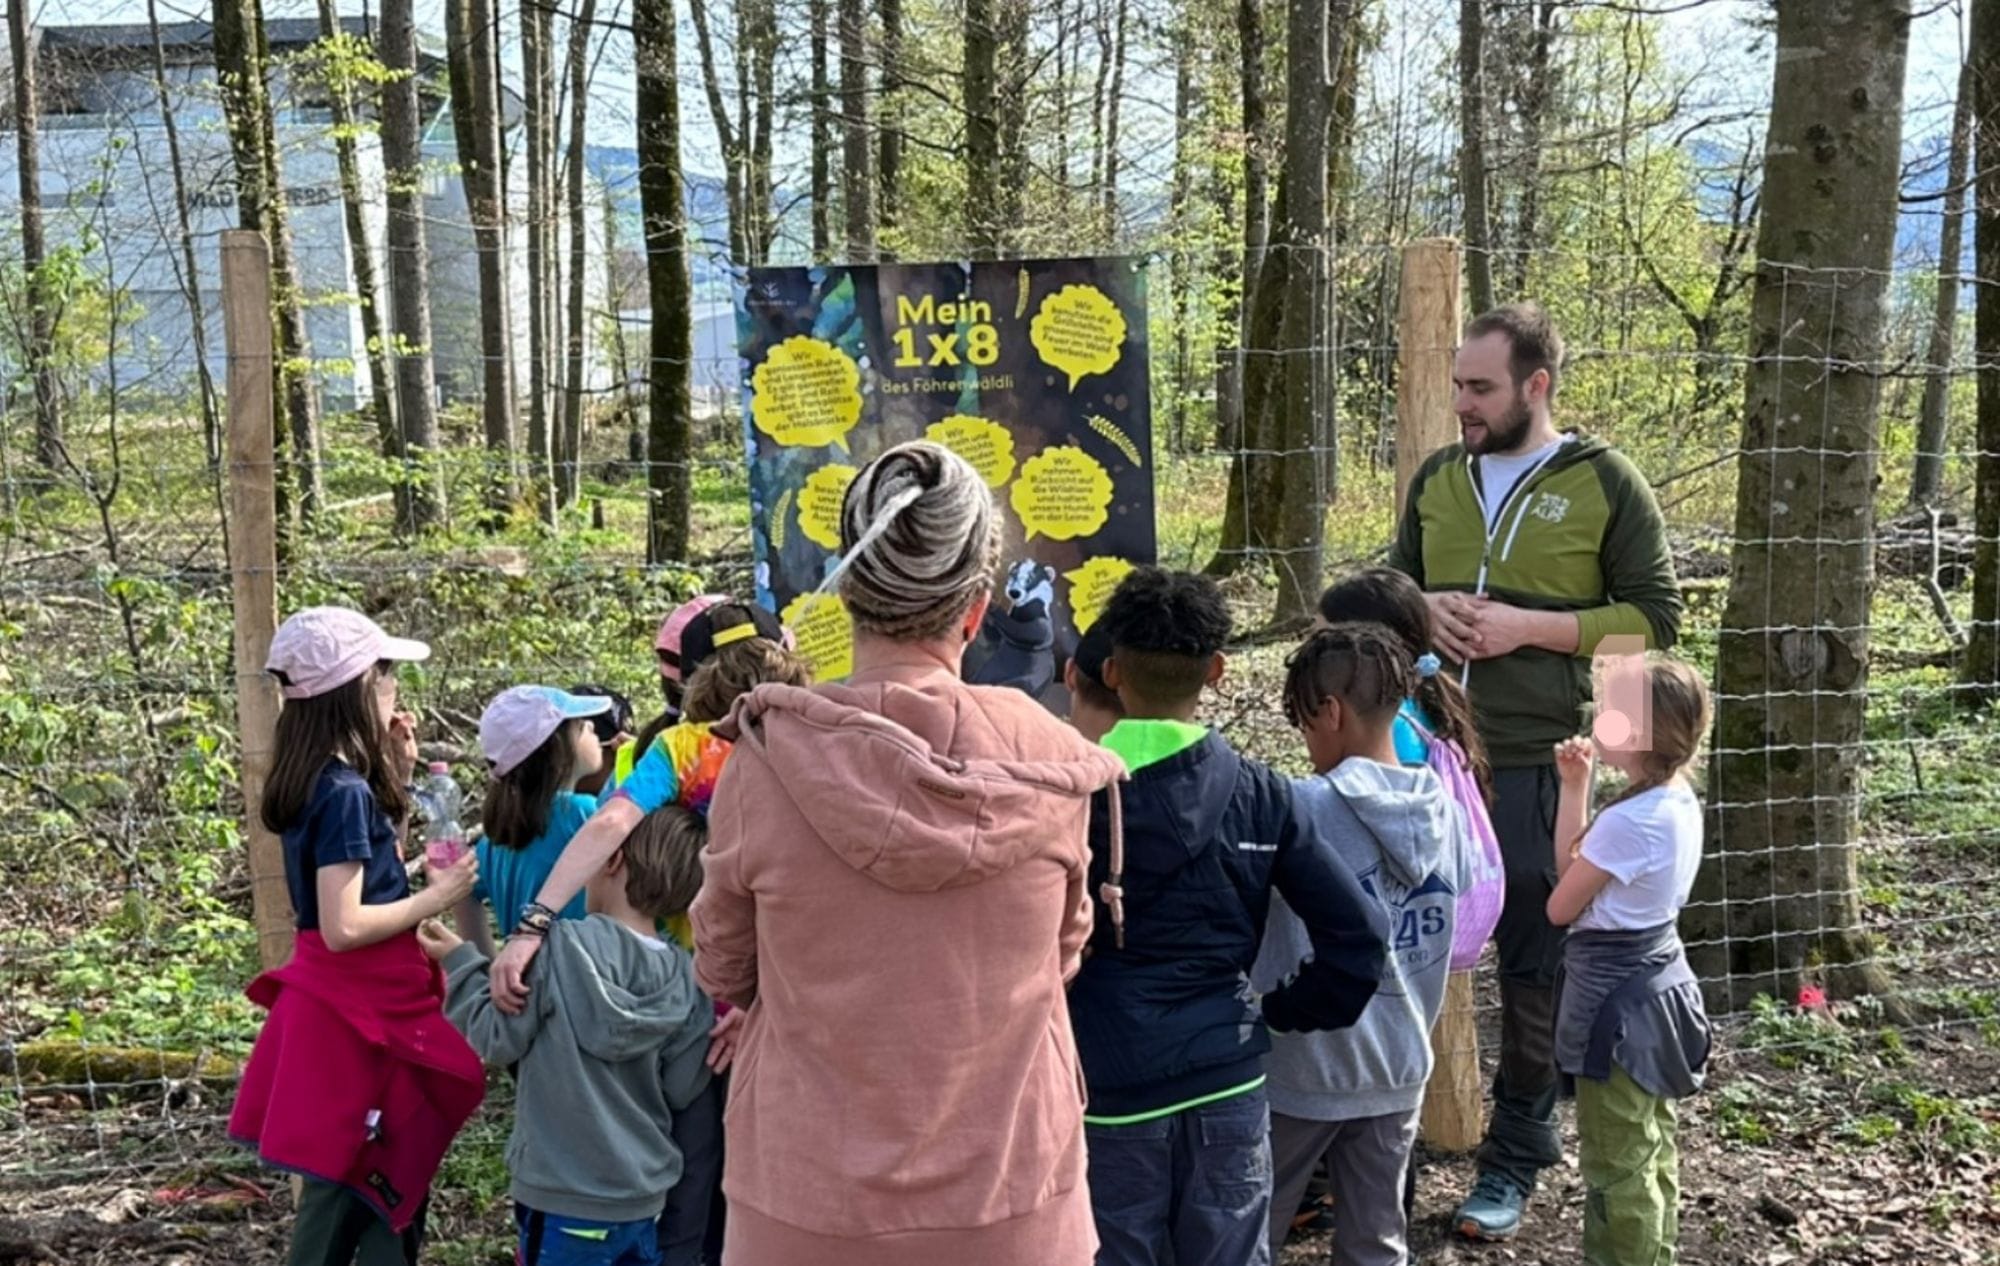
(342, 823)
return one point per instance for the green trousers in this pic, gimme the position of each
(1631, 1173)
(334, 1227)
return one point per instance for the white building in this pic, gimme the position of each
(107, 174)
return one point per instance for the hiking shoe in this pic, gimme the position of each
(1492, 1211)
(1315, 1214)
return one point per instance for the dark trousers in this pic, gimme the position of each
(552, 1239)
(335, 1227)
(691, 1224)
(1521, 1138)
(1190, 1189)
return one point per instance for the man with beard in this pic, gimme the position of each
(1533, 546)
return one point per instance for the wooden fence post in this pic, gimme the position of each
(253, 567)
(1427, 325)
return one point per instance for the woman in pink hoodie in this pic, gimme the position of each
(895, 891)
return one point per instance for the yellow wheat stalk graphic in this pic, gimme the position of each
(780, 517)
(1119, 440)
(1021, 299)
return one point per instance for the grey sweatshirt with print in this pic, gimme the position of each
(1407, 844)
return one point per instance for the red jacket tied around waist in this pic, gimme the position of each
(357, 1077)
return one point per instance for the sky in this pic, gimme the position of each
(1692, 33)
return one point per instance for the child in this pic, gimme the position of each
(737, 648)
(610, 1050)
(1354, 1096)
(1382, 595)
(1093, 706)
(1630, 1029)
(1438, 710)
(356, 1083)
(1170, 1036)
(538, 743)
(691, 630)
(667, 649)
(614, 734)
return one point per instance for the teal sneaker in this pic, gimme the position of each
(1492, 1211)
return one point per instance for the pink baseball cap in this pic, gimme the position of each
(668, 643)
(323, 648)
(520, 719)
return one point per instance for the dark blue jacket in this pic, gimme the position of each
(1171, 1017)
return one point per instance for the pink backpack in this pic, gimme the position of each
(1478, 909)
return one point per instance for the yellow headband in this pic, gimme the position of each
(737, 633)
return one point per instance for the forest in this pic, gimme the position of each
(501, 243)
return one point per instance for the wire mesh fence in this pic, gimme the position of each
(126, 932)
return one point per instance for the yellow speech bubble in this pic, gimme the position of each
(1063, 493)
(825, 633)
(1091, 586)
(806, 393)
(819, 504)
(987, 445)
(1078, 331)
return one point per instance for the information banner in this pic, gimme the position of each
(1036, 372)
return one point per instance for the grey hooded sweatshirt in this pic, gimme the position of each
(613, 1043)
(1406, 841)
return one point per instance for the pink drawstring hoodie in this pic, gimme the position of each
(895, 888)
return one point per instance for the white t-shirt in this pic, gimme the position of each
(1498, 475)
(1651, 847)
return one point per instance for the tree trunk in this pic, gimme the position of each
(1540, 85)
(246, 104)
(360, 252)
(189, 269)
(1177, 217)
(537, 60)
(1345, 102)
(672, 340)
(1098, 102)
(983, 224)
(300, 397)
(759, 180)
(475, 115)
(1927, 475)
(891, 174)
(1012, 90)
(1981, 667)
(1472, 155)
(1110, 209)
(1253, 489)
(857, 174)
(40, 343)
(1781, 886)
(727, 134)
(1256, 220)
(569, 452)
(420, 501)
(1064, 61)
(822, 135)
(1315, 34)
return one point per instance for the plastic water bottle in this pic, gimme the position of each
(444, 836)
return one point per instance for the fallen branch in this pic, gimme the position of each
(72, 1063)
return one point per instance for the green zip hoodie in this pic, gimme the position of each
(1581, 533)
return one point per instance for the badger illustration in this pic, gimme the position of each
(1020, 642)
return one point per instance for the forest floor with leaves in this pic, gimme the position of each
(124, 902)
(1816, 1144)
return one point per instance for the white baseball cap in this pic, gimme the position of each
(520, 720)
(323, 648)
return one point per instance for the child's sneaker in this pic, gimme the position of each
(1492, 1211)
